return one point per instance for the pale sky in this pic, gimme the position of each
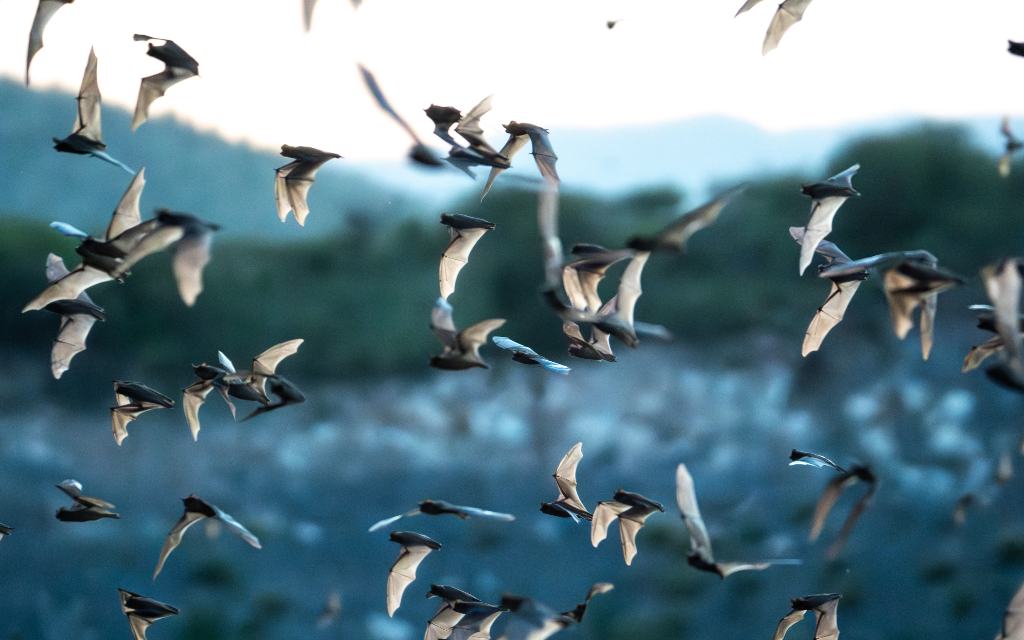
(550, 62)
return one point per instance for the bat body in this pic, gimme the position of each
(142, 612)
(1016, 48)
(178, 66)
(85, 508)
(631, 510)
(197, 509)
(465, 232)
(440, 507)
(461, 348)
(293, 180)
(86, 137)
(826, 198)
(525, 355)
(415, 547)
(44, 13)
(133, 399)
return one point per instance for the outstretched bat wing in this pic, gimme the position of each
(789, 13)
(127, 215)
(266, 363)
(44, 12)
(173, 539)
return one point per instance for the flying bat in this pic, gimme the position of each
(415, 547)
(293, 180)
(840, 294)
(461, 348)
(1004, 282)
(99, 257)
(525, 355)
(465, 232)
(580, 610)
(810, 459)
(440, 507)
(632, 511)
(675, 235)
(1016, 48)
(420, 152)
(142, 612)
(308, 7)
(86, 136)
(912, 284)
(788, 13)
(44, 12)
(76, 320)
(580, 280)
(178, 66)
(826, 625)
(85, 508)
(476, 622)
(197, 509)
(826, 198)
(5, 530)
(835, 488)
(533, 620)
(190, 237)
(457, 605)
(981, 352)
(133, 399)
(543, 153)
(701, 557)
(568, 503)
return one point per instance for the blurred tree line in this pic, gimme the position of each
(361, 296)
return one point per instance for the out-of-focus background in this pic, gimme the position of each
(645, 128)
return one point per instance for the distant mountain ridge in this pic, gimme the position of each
(232, 183)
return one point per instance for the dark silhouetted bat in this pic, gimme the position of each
(197, 509)
(440, 507)
(632, 511)
(293, 181)
(85, 508)
(568, 503)
(133, 399)
(178, 66)
(142, 612)
(525, 355)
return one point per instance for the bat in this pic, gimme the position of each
(531, 620)
(701, 556)
(1016, 48)
(440, 507)
(580, 610)
(442, 624)
(789, 13)
(525, 355)
(465, 232)
(840, 294)
(461, 348)
(826, 198)
(191, 238)
(568, 503)
(142, 612)
(913, 284)
(85, 508)
(86, 136)
(510, 149)
(197, 509)
(581, 277)
(293, 180)
(415, 547)
(543, 152)
(835, 488)
(307, 14)
(476, 622)
(77, 317)
(824, 606)
(132, 400)
(286, 392)
(178, 66)
(420, 152)
(44, 13)
(678, 232)
(632, 511)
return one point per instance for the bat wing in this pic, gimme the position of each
(1003, 284)
(629, 287)
(192, 400)
(844, 533)
(471, 338)
(789, 13)
(69, 287)
(511, 148)
(547, 224)
(829, 496)
(827, 627)
(159, 239)
(813, 460)
(139, 626)
(173, 539)
(442, 324)
(469, 127)
(1013, 619)
(191, 255)
(153, 87)
(627, 536)
(929, 306)
(726, 569)
(55, 269)
(605, 512)
(236, 527)
(380, 524)
(455, 257)
(565, 477)
(787, 622)
(1005, 164)
(282, 197)
(70, 341)
(679, 232)
(88, 123)
(747, 6)
(266, 363)
(829, 314)
(543, 153)
(440, 626)
(979, 353)
(44, 12)
(474, 512)
(820, 225)
(686, 500)
(307, 13)
(573, 286)
(382, 102)
(403, 573)
(127, 215)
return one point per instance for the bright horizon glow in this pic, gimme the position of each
(551, 63)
